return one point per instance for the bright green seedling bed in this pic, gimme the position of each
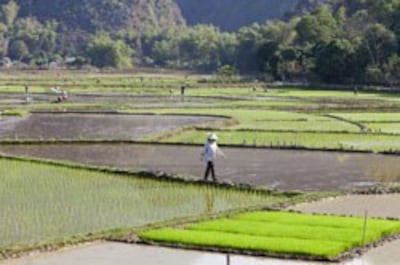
(280, 233)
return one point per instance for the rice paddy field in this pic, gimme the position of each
(323, 237)
(335, 141)
(42, 203)
(273, 128)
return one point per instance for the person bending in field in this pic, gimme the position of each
(209, 155)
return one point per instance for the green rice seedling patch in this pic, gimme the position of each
(283, 129)
(285, 92)
(242, 115)
(14, 112)
(313, 125)
(279, 233)
(279, 229)
(311, 93)
(240, 242)
(40, 202)
(266, 104)
(21, 89)
(218, 92)
(386, 127)
(386, 227)
(320, 140)
(370, 117)
(96, 83)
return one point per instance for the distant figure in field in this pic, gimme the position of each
(183, 90)
(28, 99)
(63, 94)
(209, 155)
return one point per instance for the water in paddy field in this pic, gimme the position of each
(124, 254)
(93, 126)
(281, 169)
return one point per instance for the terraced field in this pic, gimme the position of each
(48, 204)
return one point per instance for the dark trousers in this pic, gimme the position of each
(210, 167)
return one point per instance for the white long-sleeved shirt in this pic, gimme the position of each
(211, 150)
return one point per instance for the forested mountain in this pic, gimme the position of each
(333, 41)
(36, 31)
(107, 15)
(232, 14)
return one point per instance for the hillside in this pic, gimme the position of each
(97, 15)
(230, 15)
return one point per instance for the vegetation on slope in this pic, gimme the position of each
(232, 15)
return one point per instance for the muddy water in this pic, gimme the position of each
(99, 126)
(123, 254)
(7, 123)
(281, 169)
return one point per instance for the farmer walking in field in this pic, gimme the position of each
(209, 155)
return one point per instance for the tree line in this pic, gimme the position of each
(334, 41)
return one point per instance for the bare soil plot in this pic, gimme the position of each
(385, 205)
(96, 126)
(283, 169)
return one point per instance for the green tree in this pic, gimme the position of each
(3, 40)
(104, 52)
(290, 61)
(9, 13)
(227, 48)
(249, 41)
(380, 43)
(339, 62)
(341, 17)
(269, 59)
(392, 68)
(18, 50)
(39, 38)
(165, 52)
(320, 27)
(226, 73)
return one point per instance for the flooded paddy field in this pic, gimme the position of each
(93, 126)
(281, 169)
(173, 100)
(123, 254)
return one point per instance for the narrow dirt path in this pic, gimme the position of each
(124, 254)
(383, 206)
